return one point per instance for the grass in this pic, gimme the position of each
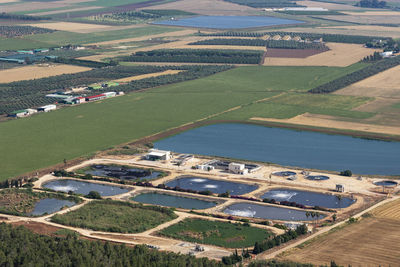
(223, 234)
(115, 216)
(46, 139)
(60, 38)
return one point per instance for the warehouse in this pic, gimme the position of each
(47, 108)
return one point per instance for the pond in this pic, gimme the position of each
(267, 212)
(81, 187)
(228, 22)
(215, 186)
(288, 147)
(122, 172)
(173, 201)
(50, 205)
(386, 183)
(308, 198)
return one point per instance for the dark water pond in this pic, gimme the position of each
(173, 201)
(228, 22)
(81, 187)
(215, 186)
(308, 198)
(266, 212)
(386, 183)
(50, 205)
(121, 172)
(317, 177)
(289, 147)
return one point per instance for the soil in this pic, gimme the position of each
(37, 227)
(292, 53)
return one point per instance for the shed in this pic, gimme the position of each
(237, 168)
(156, 154)
(339, 188)
(47, 108)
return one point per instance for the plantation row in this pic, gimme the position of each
(68, 250)
(26, 94)
(356, 76)
(197, 56)
(15, 31)
(260, 42)
(5, 15)
(83, 63)
(265, 3)
(334, 38)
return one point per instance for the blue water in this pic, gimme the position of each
(267, 212)
(122, 172)
(50, 205)
(228, 22)
(215, 186)
(173, 201)
(81, 187)
(308, 198)
(289, 147)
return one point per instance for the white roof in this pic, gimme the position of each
(157, 154)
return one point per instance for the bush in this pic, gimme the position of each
(346, 173)
(93, 195)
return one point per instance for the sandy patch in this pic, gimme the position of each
(373, 13)
(373, 30)
(32, 6)
(385, 84)
(329, 6)
(367, 20)
(65, 11)
(149, 75)
(340, 55)
(73, 27)
(36, 72)
(8, 1)
(332, 122)
(208, 7)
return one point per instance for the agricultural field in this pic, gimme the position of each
(223, 234)
(113, 216)
(170, 104)
(38, 71)
(375, 245)
(60, 38)
(338, 56)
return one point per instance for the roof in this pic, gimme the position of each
(19, 111)
(157, 154)
(95, 96)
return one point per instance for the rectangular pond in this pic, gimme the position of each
(173, 201)
(267, 212)
(308, 198)
(50, 205)
(228, 22)
(215, 186)
(122, 172)
(81, 187)
(288, 147)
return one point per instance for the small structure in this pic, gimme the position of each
(79, 100)
(205, 167)
(387, 54)
(237, 168)
(95, 97)
(339, 188)
(47, 108)
(19, 113)
(156, 154)
(110, 94)
(199, 248)
(31, 111)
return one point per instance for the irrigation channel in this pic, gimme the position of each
(288, 147)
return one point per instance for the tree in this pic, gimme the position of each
(346, 173)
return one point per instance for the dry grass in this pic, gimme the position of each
(371, 29)
(373, 13)
(384, 84)
(149, 75)
(340, 55)
(390, 210)
(36, 72)
(208, 7)
(65, 10)
(75, 27)
(17, 7)
(389, 18)
(334, 122)
(371, 242)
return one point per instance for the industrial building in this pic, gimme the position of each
(237, 168)
(47, 108)
(156, 154)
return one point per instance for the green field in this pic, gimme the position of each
(223, 234)
(46, 139)
(60, 38)
(115, 216)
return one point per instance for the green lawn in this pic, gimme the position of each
(223, 234)
(115, 216)
(60, 38)
(46, 139)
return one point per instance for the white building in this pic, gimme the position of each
(237, 168)
(205, 167)
(110, 94)
(47, 108)
(339, 188)
(156, 154)
(387, 54)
